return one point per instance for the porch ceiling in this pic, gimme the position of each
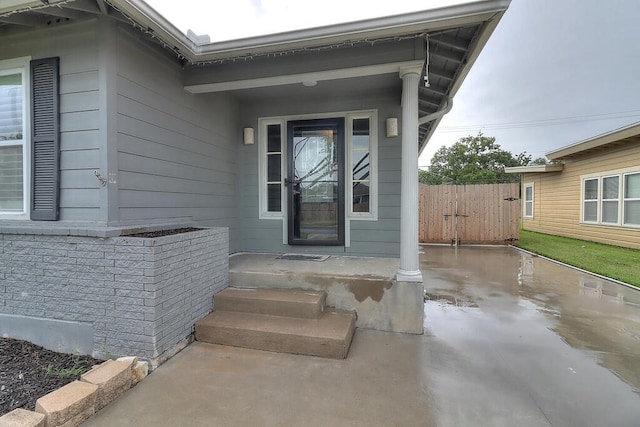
(362, 55)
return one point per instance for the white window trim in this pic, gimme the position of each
(524, 199)
(596, 201)
(263, 212)
(372, 215)
(624, 199)
(13, 66)
(263, 197)
(601, 199)
(621, 173)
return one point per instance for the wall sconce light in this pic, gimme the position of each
(248, 138)
(392, 127)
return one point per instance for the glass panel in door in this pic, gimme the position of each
(315, 182)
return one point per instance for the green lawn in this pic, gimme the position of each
(610, 261)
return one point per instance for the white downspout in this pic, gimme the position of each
(438, 114)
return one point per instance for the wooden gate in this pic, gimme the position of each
(470, 214)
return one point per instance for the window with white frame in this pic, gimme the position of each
(528, 200)
(361, 193)
(13, 146)
(612, 199)
(271, 148)
(590, 200)
(631, 200)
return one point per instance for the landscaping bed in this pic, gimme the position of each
(28, 372)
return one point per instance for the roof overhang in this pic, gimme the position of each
(611, 138)
(455, 35)
(408, 23)
(555, 167)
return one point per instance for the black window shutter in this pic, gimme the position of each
(45, 137)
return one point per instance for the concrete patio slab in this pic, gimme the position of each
(510, 339)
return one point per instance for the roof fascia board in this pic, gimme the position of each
(535, 169)
(598, 141)
(446, 17)
(434, 20)
(160, 27)
(343, 73)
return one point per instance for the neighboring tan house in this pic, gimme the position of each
(113, 122)
(592, 193)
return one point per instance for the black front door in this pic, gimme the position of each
(315, 183)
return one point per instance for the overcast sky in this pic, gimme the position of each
(554, 72)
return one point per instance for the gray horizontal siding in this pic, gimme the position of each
(80, 142)
(176, 157)
(375, 238)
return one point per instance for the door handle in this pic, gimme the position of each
(288, 181)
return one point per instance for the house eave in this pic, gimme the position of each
(432, 20)
(595, 143)
(535, 168)
(17, 6)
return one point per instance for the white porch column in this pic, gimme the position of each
(409, 265)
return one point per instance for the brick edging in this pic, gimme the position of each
(77, 401)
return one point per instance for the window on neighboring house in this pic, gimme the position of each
(12, 141)
(631, 199)
(610, 199)
(590, 200)
(528, 200)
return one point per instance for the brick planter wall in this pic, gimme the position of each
(109, 296)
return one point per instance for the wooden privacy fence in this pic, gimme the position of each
(470, 214)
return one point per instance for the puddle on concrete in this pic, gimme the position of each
(449, 299)
(520, 300)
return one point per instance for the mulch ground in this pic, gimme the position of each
(28, 372)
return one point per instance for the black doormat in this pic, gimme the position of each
(302, 257)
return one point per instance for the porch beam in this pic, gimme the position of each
(341, 73)
(409, 265)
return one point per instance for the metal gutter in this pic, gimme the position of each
(598, 141)
(535, 168)
(466, 14)
(10, 7)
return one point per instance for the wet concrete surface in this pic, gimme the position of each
(510, 340)
(515, 339)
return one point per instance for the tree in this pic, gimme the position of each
(543, 161)
(539, 161)
(472, 159)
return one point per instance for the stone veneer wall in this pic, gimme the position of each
(109, 296)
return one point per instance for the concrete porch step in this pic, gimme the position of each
(329, 336)
(275, 302)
